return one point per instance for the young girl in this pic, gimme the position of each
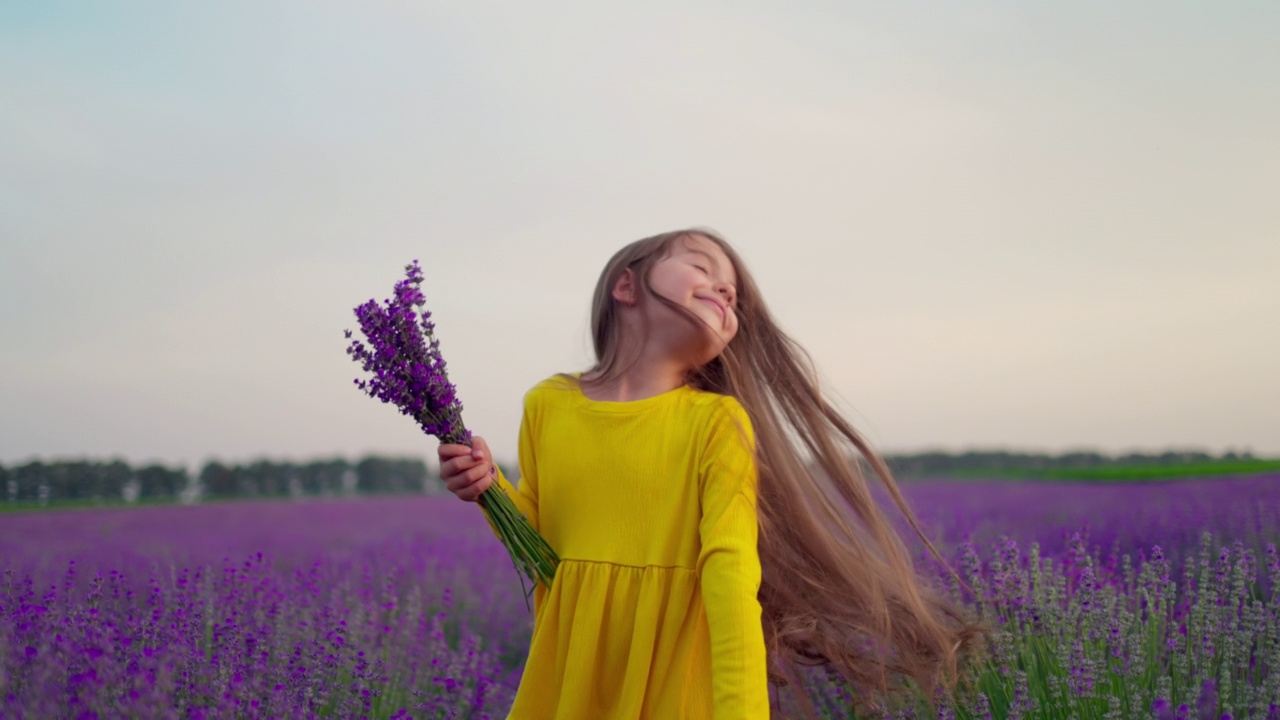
(701, 553)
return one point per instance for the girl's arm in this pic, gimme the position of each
(526, 495)
(729, 567)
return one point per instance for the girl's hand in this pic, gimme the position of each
(467, 471)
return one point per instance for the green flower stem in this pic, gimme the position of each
(529, 552)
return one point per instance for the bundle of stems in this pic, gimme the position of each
(408, 371)
(529, 552)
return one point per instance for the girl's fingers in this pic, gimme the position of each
(473, 492)
(453, 450)
(468, 483)
(479, 472)
(449, 468)
(466, 471)
(456, 483)
(464, 476)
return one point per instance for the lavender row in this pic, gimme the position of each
(409, 608)
(259, 610)
(1073, 638)
(1111, 517)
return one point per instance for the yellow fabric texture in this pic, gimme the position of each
(651, 506)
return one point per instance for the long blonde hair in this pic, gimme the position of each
(838, 587)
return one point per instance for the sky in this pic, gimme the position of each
(1040, 227)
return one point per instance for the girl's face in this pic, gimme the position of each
(699, 276)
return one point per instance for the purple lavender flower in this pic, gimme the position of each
(408, 371)
(404, 358)
(1208, 701)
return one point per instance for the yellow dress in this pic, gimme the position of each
(651, 506)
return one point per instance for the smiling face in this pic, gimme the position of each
(697, 275)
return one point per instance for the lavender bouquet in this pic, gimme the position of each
(408, 372)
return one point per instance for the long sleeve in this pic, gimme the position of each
(729, 567)
(526, 495)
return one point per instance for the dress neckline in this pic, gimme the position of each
(625, 406)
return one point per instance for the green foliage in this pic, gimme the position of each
(389, 475)
(1130, 473)
(1072, 639)
(83, 483)
(1078, 465)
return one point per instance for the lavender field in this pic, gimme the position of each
(1154, 600)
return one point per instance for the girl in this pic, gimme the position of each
(701, 554)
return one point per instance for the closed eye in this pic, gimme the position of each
(704, 270)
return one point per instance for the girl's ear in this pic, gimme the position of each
(624, 291)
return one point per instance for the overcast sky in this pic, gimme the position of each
(1036, 226)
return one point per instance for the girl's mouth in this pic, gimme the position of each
(719, 308)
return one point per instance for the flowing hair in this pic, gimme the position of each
(838, 587)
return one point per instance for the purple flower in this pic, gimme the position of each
(1208, 702)
(404, 359)
(407, 370)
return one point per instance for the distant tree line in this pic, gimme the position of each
(115, 480)
(1003, 462)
